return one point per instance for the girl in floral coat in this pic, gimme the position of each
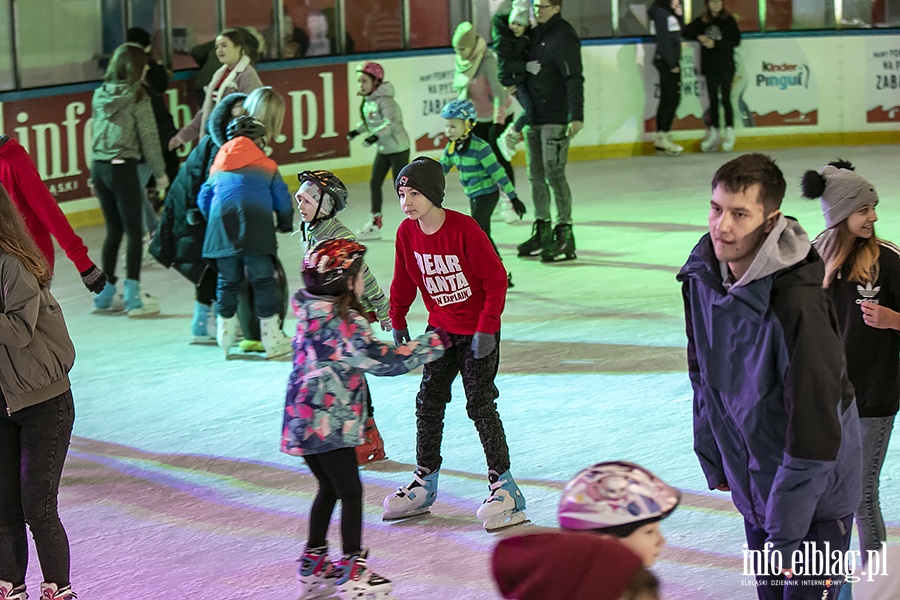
(325, 407)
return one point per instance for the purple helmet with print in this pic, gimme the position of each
(372, 69)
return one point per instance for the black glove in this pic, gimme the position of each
(371, 139)
(401, 336)
(352, 134)
(518, 206)
(445, 337)
(483, 344)
(94, 279)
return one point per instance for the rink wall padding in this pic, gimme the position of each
(798, 90)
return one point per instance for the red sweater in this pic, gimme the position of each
(462, 280)
(38, 206)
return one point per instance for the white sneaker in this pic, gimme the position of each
(371, 230)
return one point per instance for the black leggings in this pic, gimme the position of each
(383, 162)
(717, 83)
(481, 208)
(338, 478)
(121, 200)
(669, 95)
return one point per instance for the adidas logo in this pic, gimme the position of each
(868, 293)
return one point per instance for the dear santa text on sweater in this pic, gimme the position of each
(443, 278)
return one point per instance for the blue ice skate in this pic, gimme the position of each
(505, 506)
(416, 499)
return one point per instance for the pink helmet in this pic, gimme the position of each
(615, 496)
(373, 69)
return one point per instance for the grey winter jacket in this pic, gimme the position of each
(381, 117)
(37, 352)
(124, 128)
(774, 413)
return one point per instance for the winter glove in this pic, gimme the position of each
(94, 279)
(518, 206)
(352, 135)
(483, 344)
(533, 66)
(370, 140)
(445, 337)
(385, 324)
(401, 336)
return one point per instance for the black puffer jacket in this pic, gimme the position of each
(667, 33)
(177, 242)
(558, 89)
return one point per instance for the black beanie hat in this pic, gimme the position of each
(425, 175)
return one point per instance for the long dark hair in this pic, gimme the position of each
(127, 67)
(707, 15)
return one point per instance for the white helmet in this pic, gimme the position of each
(615, 496)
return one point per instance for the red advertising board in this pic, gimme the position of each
(56, 130)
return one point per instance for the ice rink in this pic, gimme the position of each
(175, 486)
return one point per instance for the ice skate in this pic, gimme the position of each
(541, 238)
(315, 575)
(563, 246)
(505, 506)
(108, 301)
(355, 581)
(8, 592)
(226, 333)
(138, 303)
(372, 448)
(728, 139)
(710, 142)
(416, 499)
(664, 144)
(372, 229)
(273, 338)
(200, 324)
(507, 141)
(50, 591)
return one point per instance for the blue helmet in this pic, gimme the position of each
(459, 109)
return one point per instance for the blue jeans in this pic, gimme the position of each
(33, 446)
(803, 587)
(547, 156)
(875, 433)
(260, 272)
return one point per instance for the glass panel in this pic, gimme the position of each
(590, 18)
(147, 14)
(374, 24)
(745, 12)
(432, 22)
(886, 13)
(193, 25)
(787, 15)
(634, 19)
(314, 27)
(256, 18)
(7, 81)
(63, 45)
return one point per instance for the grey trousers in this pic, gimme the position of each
(548, 153)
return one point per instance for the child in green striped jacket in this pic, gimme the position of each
(482, 177)
(320, 197)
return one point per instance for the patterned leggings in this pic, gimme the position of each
(481, 406)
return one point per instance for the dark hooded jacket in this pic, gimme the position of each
(179, 236)
(558, 88)
(774, 414)
(667, 28)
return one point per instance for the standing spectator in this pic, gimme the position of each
(124, 133)
(667, 23)
(382, 122)
(775, 421)
(235, 75)
(556, 86)
(36, 413)
(718, 34)
(42, 214)
(862, 279)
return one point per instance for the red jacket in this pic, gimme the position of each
(462, 280)
(38, 206)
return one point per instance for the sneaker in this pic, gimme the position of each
(412, 500)
(371, 230)
(505, 506)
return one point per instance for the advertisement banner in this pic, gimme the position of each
(693, 106)
(882, 80)
(422, 92)
(56, 130)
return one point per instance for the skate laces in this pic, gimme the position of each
(418, 481)
(495, 487)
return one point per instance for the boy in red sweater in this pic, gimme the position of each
(449, 259)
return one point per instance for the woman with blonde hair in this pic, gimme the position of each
(124, 133)
(862, 279)
(36, 413)
(235, 75)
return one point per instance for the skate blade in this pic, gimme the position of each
(319, 594)
(505, 522)
(389, 516)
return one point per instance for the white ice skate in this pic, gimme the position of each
(355, 581)
(710, 142)
(50, 591)
(415, 499)
(728, 139)
(8, 592)
(505, 506)
(315, 575)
